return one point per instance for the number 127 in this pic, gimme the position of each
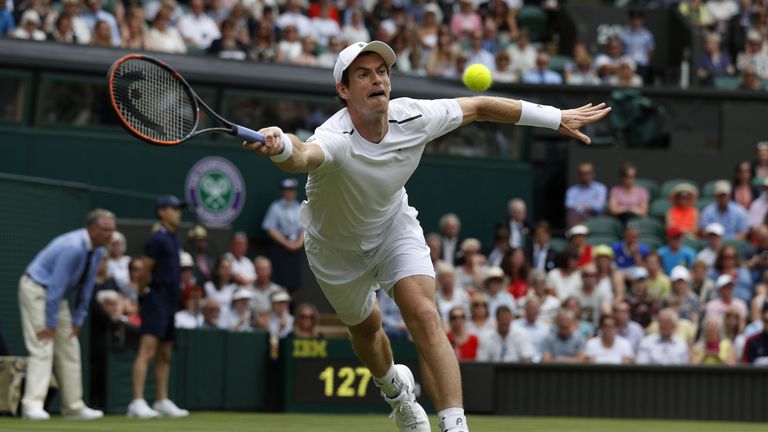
(347, 376)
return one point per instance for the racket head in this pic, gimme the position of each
(153, 102)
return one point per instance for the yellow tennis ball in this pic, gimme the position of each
(477, 77)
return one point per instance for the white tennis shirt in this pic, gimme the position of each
(354, 195)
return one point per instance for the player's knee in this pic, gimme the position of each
(422, 317)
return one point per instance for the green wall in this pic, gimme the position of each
(125, 174)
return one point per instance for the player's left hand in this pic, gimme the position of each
(575, 119)
(272, 145)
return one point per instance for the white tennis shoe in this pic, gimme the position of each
(166, 408)
(406, 412)
(85, 414)
(139, 409)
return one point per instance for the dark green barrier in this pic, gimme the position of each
(33, 213)
(324, 375)
(735, 393)
(211, 370)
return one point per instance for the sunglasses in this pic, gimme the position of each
(457, 317)
(479, 304)
(306, 316)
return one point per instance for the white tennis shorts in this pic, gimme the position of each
(349, 279)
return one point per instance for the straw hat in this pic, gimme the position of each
(684, 188)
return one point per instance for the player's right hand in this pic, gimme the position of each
(272, 145)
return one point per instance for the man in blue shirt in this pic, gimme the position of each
(160, 286)
(542, 74)
(6, 19)
(638, 43)
(674, 253)
(630, 252)
(585, 199)
(732, 216)
(65, 268)
(282, 226)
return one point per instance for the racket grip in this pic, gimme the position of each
(248, 134)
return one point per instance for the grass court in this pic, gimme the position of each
(237, 422)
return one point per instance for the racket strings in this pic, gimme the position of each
(153, 101)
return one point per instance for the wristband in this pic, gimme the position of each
(539, 115)
(287, 149)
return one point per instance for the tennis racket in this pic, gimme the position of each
(155, 104)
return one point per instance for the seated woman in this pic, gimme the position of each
(683, 213)
(628, 200)
(713, 349)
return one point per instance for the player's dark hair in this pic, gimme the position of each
(345, 82)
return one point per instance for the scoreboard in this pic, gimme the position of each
(324, 375)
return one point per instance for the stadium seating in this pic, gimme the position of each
(649, 226)
(604, 225)
(534, 19)
(693, 243)
(667, 186)
(703, 202)
(652, 186)
(708, 190)
(602, 239)
(558, 244)
(742, 246)
(659, 207)
(652, 241)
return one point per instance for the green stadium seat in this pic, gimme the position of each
(602, 239)
(667, 186)
(649, 226)
(652, 186)
(742, 246)
(659, 207)
(534, 19)
(727, 82)
(558, 244)
(557, 63)
(703, 202)
(708, 191)
(604, 225)
(693, 243)
(652, 241)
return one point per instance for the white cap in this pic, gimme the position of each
(280, 296)
(493, 273)
(242, 294)
(680, 273)
(724, 280)
(714, 228)
(638, 273)
(350, 53)
(185, 259)
(108, 294)
(577, 230)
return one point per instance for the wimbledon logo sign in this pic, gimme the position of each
(216, 190)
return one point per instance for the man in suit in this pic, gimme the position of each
(517, 221)
(539, 252)
(450, 226)
(65, 268)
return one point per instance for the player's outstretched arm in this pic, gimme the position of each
(288, 152)
(503, 110)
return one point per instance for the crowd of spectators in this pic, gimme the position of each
(431, 38)
(629, 282)
(238, 293)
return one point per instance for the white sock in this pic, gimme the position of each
(390, 383)
(452, 419)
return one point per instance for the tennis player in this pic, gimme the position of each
(362, 235)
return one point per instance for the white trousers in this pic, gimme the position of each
(63, 351)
